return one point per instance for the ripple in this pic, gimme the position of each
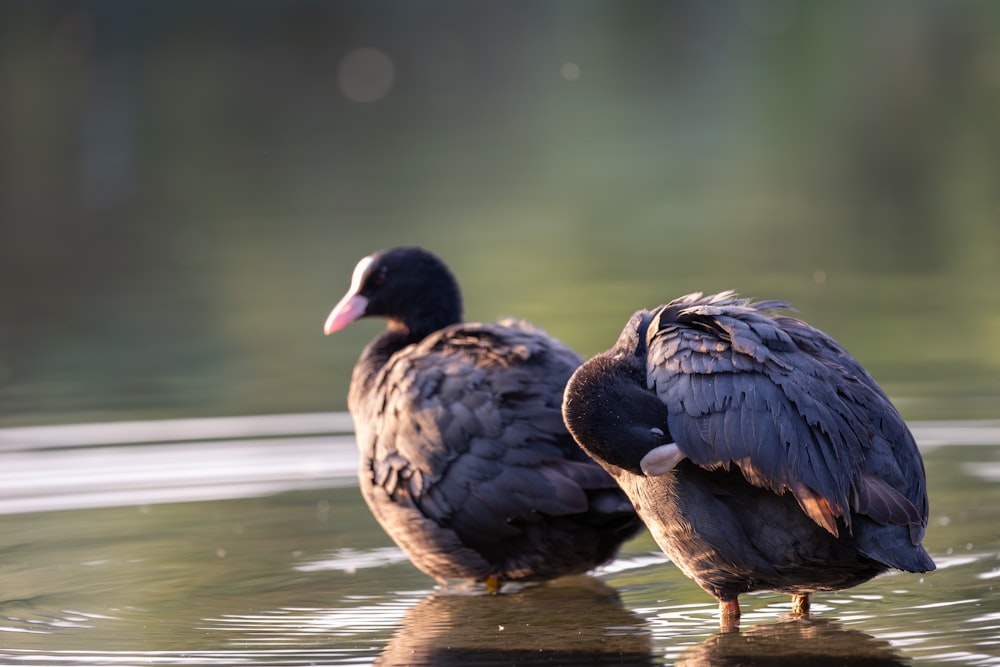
(105, 587)
(49, 623)
(172, 430)
(93, 477)
(304, 656)
(626, 563)
(278, 625)
(351, 560)
(987, 470)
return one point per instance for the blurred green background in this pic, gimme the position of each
(186, 186)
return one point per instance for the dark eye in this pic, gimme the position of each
(379, 276)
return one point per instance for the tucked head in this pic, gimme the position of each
(611, 413)
(408, 286)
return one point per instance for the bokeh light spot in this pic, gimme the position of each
(570, 71)
(366, 75)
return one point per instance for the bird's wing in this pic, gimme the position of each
(471, 431)
(788, 405)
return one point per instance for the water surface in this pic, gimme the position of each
(245, 541)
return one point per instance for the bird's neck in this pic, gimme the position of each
(368, 371)
(381, 348)
(397, 335)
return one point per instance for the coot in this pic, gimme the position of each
(760, 454)
(465, 460)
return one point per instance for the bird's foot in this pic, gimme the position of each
(800, 605)
(493, 584)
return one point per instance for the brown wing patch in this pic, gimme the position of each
(818, 508)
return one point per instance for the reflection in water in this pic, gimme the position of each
(578, 620)
(792, 642)
(306, 577)
(77, 466)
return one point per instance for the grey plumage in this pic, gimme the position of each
(773, 416)
(465, 460)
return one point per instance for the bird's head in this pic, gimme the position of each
(608, 408)
(408, 286)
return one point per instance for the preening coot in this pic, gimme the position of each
(465, 460)
(759, 453)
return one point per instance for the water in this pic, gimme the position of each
(184, 188)
(245, 541)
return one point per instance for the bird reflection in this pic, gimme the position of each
(569, 621)
(793, 642)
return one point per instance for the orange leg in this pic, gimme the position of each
(729, 615)
(493, 584)
(730, 608)
(800, 605)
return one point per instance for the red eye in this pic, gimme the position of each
(379, 276)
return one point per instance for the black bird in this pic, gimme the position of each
(759, 453)
(465, 460)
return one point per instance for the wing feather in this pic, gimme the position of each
(481, 447)
(786, 404)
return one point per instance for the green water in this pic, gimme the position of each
(306, 577)
(184, 189)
